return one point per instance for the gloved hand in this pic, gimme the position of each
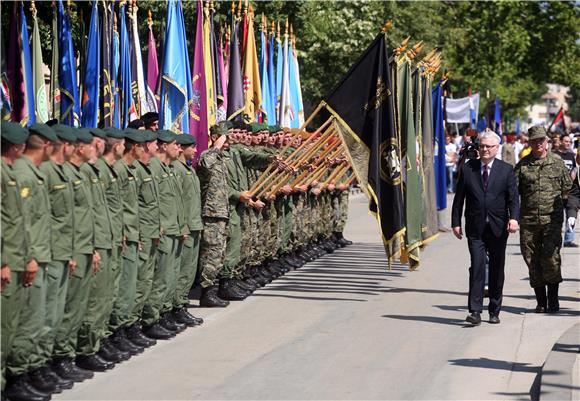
(571, 223)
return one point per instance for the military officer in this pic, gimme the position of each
(543, 184)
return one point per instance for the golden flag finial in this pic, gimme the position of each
(387, 26)
(286, 34)
(403, 46)
(245, 7)
(33, 8)
(412, 53)
(273, 28)
(240, 9)
(149, 18)
(278, 31)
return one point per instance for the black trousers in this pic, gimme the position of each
(480, 249)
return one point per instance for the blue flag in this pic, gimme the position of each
(173, 113)
(115, 61)
(518, 126)
(90, 110)
(482, 124)
(27, 68)
(294, 90)
(268, 105)
(69, 102)
(439, 151)
(497, 119)
(272, 78)
(279, 69)
(126, 105)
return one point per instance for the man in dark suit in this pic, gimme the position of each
(488, 187)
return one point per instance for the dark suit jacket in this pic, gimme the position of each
(499, 203)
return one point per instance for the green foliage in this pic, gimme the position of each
(509, 48)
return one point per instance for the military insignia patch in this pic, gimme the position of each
(390, 163)
(24, 192)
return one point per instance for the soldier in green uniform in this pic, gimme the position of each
(96, 316)
(191, 195)
(25, 359)
(213, 176)
(543, 184)
(18, 268)
(86, 258)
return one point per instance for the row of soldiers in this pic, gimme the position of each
(103, 232)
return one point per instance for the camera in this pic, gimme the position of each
(470, 149)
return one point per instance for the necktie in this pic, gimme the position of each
(485, 176)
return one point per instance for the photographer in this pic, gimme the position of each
(488, 188)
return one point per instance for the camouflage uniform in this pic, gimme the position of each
(543, 185)
(212, 173)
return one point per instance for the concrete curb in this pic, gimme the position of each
(557, 379)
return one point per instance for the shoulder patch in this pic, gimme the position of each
(24, 192)
(60, 186)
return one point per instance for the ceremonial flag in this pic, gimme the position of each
(430, 223)
(279, 73)
(55, 65)
(27, 68)
(174, 110)
(439, 151)
(90, 110)
(217, 72)
(235, 88)
(267, 102)
(115, 72)
(285, 105)
(126, 104)
(497, 119)
(223, 82)
(300, 104)
(559, 117)
(363, 103)
(208, 68)
(15, 68)
(272, 76)
(107, 98)
(294, 89)
(69, 102)
(138, 88)
(462, 110)
(251, 80)
(152, 69)
(40, 98)
(5, 106)
(518, 126)
(199, 126)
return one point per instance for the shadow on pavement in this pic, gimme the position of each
(505, 308)
(497, 364)
(432, 319)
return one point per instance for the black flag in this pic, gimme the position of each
(363, 102)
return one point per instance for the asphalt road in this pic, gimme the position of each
(346, 327)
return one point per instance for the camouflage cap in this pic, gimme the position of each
(65, 132)
(13, 133)
(185, 139)
(537, 132)
(219, 129)
(84, 135)
(44, 131)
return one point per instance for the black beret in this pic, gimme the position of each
(150, 117)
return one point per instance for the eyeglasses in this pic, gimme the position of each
(487, 146)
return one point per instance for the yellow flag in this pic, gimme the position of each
(251, 75)
(208, 68)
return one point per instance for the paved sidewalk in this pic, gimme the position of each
(345, 327)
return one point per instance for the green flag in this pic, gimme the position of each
(41, 100)
(411, 179)
(54, 81)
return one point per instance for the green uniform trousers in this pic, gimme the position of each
(187, 270)
(25, 354)
(540, 245)
(113, 291)
(79, 284)
(233, 248)
(57, 286)
(163, 276)
(125, 302)
(146, 270)
(96, 317)
(13, 298)
(172, 275)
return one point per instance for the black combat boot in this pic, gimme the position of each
(261, 279)
(230, 292)
(93, 363)
(341, 241)
(171, 324)
(19, 389)
(210, 299)
(50, 374)
(182, 315)
(541, 299)
(244, 285)
(66, 369)
(136, 336)
(158, 332)
(41, 383)
(119, 340)
(109, 353)
(553, 303)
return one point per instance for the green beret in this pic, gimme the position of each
(113, 132)
(166, 136)
(135, 135)
(44, 131)
(98, 132)
(272, 129)
(185, 139)
(537, 132)
(65, 132)
(255, 127)
(150, 136)
(219, 129)
(84, 135)
(13, 133)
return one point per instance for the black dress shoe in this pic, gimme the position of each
(65, 369)
(494, 319)
(158, 332)
(111, 354)
(63, 384)
(210, 299)
(474, 318)
(136, 336)
(540, 309)
(41, 383)
(18, 389)
(93, 363)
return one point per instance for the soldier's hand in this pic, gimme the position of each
(458, 232)
(303, 188)
(245, 196)
(342, 187)
(286, 189)
(316, 191)
(72, 265)
(5, 276)
(331, 187)
(259, 204)
(272, 197)
(512, 226)
(96, 262)
(30, 274)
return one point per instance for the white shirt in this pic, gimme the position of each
(488, 167)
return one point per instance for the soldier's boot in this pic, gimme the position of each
(49, 373)
(110, 353)
(19, 389)
(291, 261)
(158, 332)
(553, 303)
(182, 315)
(119, 340)
(93, 363)
(541, 299)
(261, 278)
(228, 291)
(306, 254)
(245, 286)
(43, 384)
(66, 369)
(136, 336)
(210, 299)
(250, 280)
(171, 324)
(279, 266)
(341, 241)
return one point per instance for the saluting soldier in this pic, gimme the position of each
(543, 184)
